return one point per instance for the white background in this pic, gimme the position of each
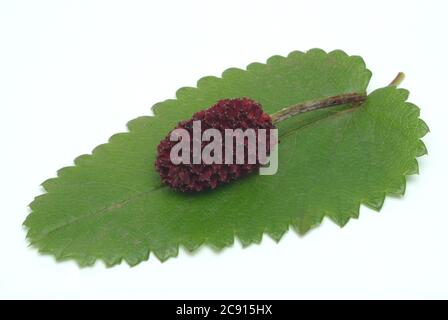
(72, 73)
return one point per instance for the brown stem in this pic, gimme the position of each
(397, 80)
(346, 98)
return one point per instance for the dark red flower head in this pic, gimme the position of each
(242, 114)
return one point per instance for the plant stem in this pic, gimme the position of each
(288, 112)
(346, 98)
(398, 80)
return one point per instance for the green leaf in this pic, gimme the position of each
(112, 206)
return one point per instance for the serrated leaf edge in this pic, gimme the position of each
(375, 202)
